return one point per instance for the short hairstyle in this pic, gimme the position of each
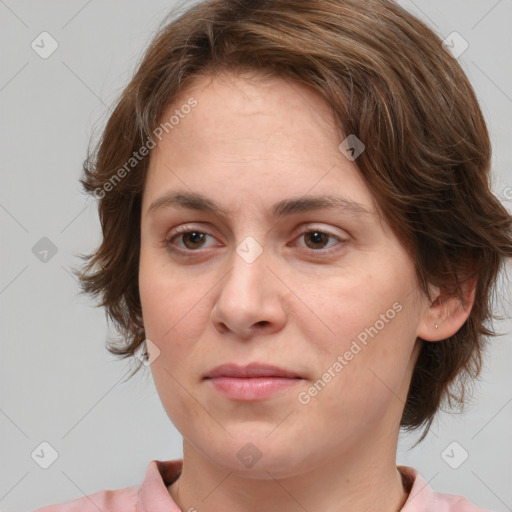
(390, 82)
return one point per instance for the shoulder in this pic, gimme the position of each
(149, 495)
(422, 498)
(120, 500)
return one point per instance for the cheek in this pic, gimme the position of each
(172, 311)
(358, 306)
(169, 300)
(372, 334)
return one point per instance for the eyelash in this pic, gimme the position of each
(183, 230)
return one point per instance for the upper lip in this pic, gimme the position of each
(250, 370)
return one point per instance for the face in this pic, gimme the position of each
(324, 291)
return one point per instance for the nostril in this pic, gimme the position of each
(262, 323)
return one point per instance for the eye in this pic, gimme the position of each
(316, 239)
(192, 239)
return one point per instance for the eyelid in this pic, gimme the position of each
(307, 228)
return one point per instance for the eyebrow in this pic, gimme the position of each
(199, 202)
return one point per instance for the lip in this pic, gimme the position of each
(251, 389)
(255, 381)
(252, 370)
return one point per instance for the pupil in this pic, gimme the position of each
(316, 237)
(195, 237)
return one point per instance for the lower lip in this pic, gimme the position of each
(256, 388)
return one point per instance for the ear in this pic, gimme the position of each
(446, 311)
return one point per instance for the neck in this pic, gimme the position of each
(363, 479)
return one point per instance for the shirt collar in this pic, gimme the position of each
(421, 495)
(153, 495)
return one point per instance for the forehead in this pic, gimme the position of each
(265, 137)
(235, 112)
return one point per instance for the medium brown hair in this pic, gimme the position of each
(390, 82)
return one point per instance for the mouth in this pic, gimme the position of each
(252, 370)
(252, 382)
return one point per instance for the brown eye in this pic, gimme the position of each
(317, 239)
(193, 239)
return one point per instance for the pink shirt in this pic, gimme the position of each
(152, 495)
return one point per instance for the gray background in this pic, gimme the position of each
(57, 382)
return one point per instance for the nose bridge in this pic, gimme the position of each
(249, 293)
(247, 277)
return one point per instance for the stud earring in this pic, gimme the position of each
(437, 326)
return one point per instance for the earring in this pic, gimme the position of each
(437, 326)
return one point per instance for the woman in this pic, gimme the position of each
(300, 240)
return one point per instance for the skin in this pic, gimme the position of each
(300, 304)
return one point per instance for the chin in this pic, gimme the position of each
(261, 457)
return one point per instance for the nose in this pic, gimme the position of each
(250, 299)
